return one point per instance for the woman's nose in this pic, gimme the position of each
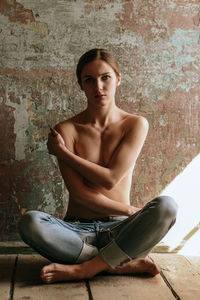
(99, 85)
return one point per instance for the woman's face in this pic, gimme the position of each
(99, 82)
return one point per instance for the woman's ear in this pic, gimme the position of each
(119, 79)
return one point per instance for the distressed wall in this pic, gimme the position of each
(157, 45)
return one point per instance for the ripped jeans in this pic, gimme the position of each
(115, 240)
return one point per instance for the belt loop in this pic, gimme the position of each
(96, 226)
(98, 232)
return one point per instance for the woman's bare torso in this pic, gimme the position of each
(98, 146)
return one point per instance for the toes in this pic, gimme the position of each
(155, 270)
(46, 274)
(47, 278)
(48, 269)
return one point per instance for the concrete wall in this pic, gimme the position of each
(157, 45)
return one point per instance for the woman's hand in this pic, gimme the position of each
(133, 210)
(55, 143)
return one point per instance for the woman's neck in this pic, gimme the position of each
(101, 117)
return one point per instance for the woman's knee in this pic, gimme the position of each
(166, 206)
(28, 223)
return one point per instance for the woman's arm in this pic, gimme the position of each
(79, 192)
(90, 198)
(122, 160)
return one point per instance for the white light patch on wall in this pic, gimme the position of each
(185, 189)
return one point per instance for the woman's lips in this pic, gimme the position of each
(101, 96)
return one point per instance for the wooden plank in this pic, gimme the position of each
(28, 284)
(195, 261)
(129, 288)
(181, 275)
(7, 263)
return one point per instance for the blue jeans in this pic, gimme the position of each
(115, 239)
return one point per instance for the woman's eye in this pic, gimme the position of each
(88, 80)
(105, 77)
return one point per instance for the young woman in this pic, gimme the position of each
(97, 151)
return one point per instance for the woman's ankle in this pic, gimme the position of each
(92, 267)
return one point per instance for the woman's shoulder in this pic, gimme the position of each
(69, 122)
(135, 125)
(133, 119)
(65, 125)
(71, 125)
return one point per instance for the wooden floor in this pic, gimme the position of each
(179, 279)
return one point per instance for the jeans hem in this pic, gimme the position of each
(113, 255)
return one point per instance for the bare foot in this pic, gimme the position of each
(135, 266)
(58, 272)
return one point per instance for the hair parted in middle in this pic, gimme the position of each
(95, 54)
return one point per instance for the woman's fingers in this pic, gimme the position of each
(53, 132)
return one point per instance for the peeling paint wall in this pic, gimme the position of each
(157, 45)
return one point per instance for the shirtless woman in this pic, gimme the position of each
(97, 151)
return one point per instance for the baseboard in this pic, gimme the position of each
(15, 247)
